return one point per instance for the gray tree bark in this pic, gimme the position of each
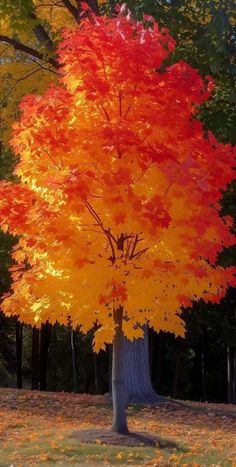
(138, 385)
(119, 424)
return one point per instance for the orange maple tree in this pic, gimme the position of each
(117, 207)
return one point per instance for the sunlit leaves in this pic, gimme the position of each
(118, 203)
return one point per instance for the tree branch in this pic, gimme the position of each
(28, 50)
(41, 33)
(134, 246)
(72, 9)
(105, 231)
(32, 72)
(139, 253)
(112, 7)
(94, 6)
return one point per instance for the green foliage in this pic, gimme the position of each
(7, 163)
(205, 36)
(19, 12)
(7, 351)
(4, 375)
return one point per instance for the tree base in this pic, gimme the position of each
(104, 436)
(121, 431)
(147, 398)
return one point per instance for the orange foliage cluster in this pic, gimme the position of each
(118, 200)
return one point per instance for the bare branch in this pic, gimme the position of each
(17, 81)
(50, 157)
(4, 50)
(40, 65)
(139, 253)
(105, 231)
(144, 171)
(28, 50)
(134, 246)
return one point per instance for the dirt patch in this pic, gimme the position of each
(103, 436)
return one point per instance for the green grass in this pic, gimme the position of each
(39, 429)
(69, 451)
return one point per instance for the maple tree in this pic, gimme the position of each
(117, 207)
(204, 30)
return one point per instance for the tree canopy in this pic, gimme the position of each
(204, 30)
(118, 200)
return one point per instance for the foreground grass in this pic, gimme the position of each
(38, 429)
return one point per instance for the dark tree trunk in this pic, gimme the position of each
(95, 366)
(203, 368)
(112, 4)
(234, 371)
(44, 345)
(229, 387)
(119, 424)
(94, 6)
(234, 377)
(138, 386)
(35, 360)
(158, 369)
(231, 375)
(19, 332)
(176, 377)
(73, 360)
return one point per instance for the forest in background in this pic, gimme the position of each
(203, 365)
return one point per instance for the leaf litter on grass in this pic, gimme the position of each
(37, 428)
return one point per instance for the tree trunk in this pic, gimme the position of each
(138, 386)
(159, 363)
(95, 366)
(176, 377)
(203, 368)
(94, 6)
(234, 376)
(35, 360)
(44, 344)
(73, 360)
(234, 371)
(112, 4)
(19, 332)
(231, 375)
(228, 375)
(119, 424)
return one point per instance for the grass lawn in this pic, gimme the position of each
(38, 429)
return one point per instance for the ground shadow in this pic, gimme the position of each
(105, 436)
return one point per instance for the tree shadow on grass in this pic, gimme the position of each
(105, 436)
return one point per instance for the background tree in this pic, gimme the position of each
(29, 33)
